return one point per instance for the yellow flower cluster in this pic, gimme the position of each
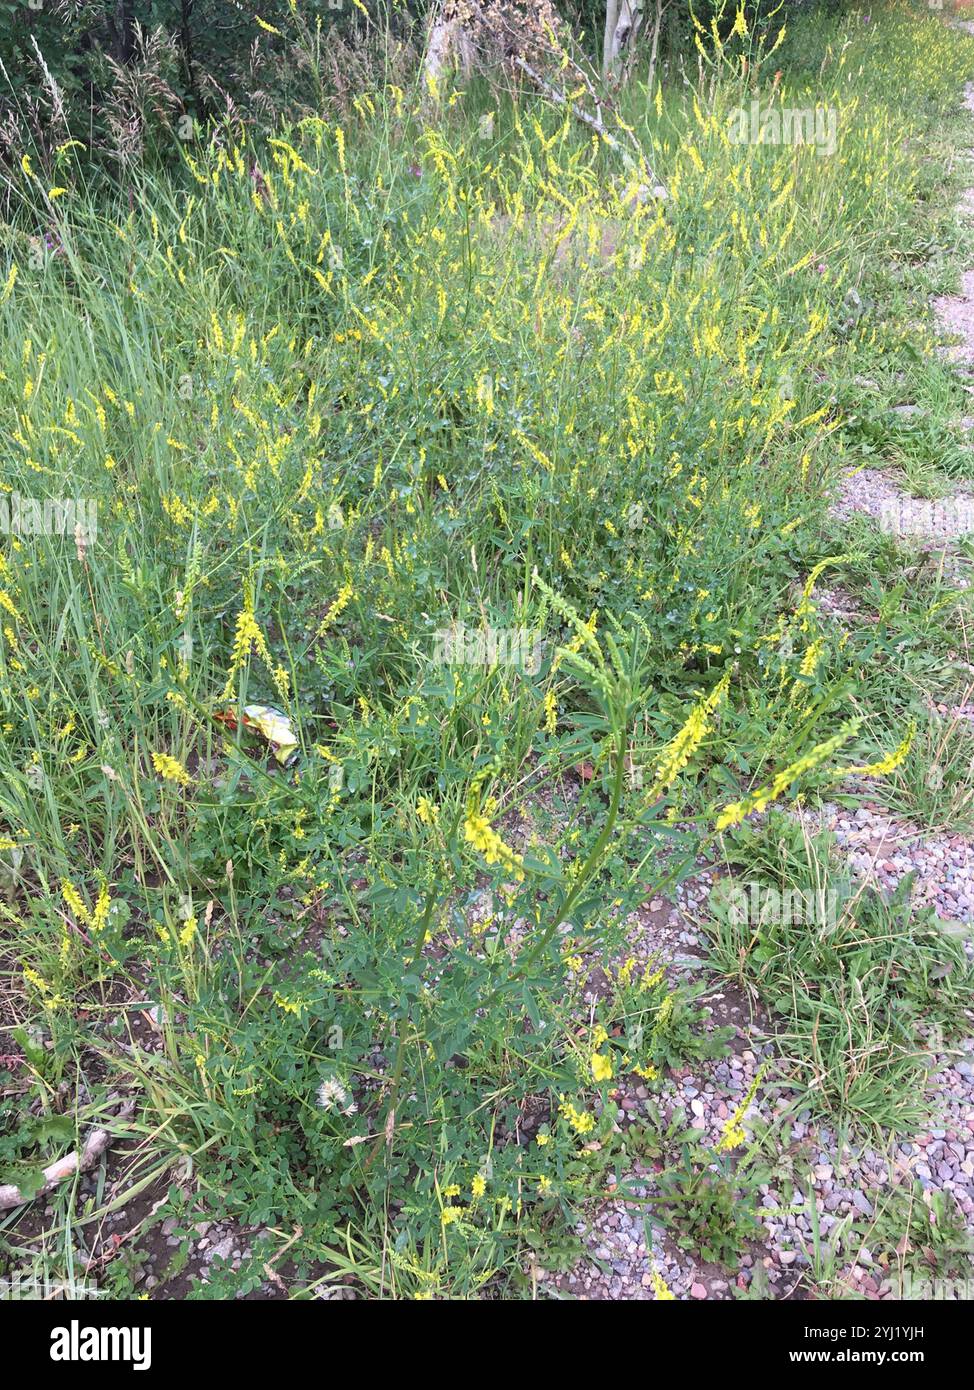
(580, 1120)
(679, 751)
(478, 832)
(734, 1134)
(648, 1072)
(734, 813)
(95, 919)
(171, 769)
(249, 637)
(345, 595)
(550, 713)
(886, 765)
(601, 1067)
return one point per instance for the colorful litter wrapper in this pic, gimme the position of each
(276, 728)
(273, 724)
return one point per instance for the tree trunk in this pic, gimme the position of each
(122, 25)
(186, 40)
(627, 16)
(611, 20)
(447, 42)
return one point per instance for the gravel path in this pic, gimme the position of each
(955, 314)
(881, 849)
(877, 494)
(630, 1257)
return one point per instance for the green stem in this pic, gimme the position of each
(401, 1050)
(568, 902)
(591, 863)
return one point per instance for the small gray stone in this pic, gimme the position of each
(863, 1203)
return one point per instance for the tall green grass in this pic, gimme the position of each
(332, 392)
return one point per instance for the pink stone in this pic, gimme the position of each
(698, 1291)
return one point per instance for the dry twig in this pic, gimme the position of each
(94, 1146)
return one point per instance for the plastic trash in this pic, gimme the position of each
(273, 724)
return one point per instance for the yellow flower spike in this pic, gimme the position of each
(737, 811)
(95, 919)
(734, 1134)
(171, 769)
(601, 1067)
(11, 280)
(679, 751)
(247, 637)
(478, 832)
(103, 903)
(344, 597)
(885, 765)
(75, 902)
(550, 713)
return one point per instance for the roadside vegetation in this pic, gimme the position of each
(506, 482)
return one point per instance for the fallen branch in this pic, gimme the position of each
(95, 1145)
(634, 155)
(269, 1269)
(556, 95)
